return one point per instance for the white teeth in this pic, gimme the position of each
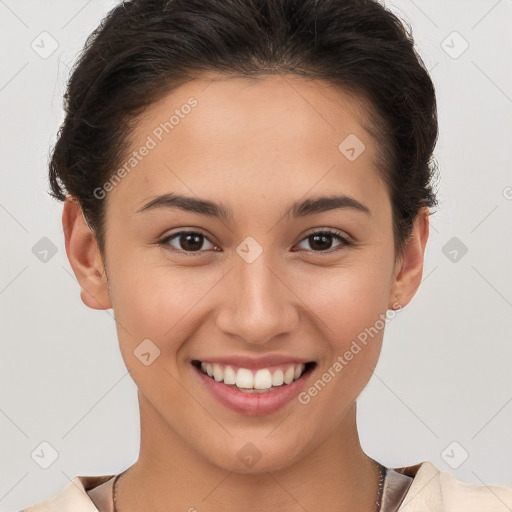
(218, 374)
(288, 375)
(298, 371)
(229, 376)
(278, 378)
(263, 379)
(244, 378)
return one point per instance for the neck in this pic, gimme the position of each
(337, 475)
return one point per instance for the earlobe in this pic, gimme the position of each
(84, 256)
(409, 270)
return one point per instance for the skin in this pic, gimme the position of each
(255, 146)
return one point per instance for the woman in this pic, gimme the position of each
(291, 141)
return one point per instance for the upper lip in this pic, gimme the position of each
(249, 362)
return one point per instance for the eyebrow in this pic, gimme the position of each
(310, 206)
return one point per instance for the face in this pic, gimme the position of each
(249, 281)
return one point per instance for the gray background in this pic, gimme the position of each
(442, 389)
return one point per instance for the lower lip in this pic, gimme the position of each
(253, 404)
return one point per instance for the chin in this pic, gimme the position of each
(256, 458)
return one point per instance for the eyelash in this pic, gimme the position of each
(336, 234)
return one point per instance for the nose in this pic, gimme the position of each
(258, 303)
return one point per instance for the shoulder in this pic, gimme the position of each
(434, 490)
(72, 498)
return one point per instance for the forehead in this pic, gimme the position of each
(225, 138)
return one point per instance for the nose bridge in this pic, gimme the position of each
(259, 306)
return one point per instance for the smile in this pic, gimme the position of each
(260, 380)
(258, 391)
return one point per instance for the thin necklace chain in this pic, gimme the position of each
(382, 470)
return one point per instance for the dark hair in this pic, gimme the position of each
(144, 49)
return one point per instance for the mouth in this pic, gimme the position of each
(262, 380)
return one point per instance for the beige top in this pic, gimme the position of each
(394, 490)
(419, 488)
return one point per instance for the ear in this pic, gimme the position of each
(409, 267)
(84, 256)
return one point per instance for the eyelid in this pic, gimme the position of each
(344, 239)
(332, 231)
(187, 229)
(165, 240)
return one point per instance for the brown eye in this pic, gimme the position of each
(321, 241)
(187, 241)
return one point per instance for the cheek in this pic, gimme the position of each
(346, 299)
(156, 300)
(349, 305)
